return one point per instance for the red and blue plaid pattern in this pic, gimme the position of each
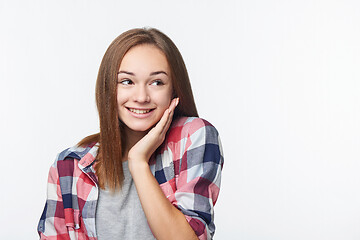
(187, 166)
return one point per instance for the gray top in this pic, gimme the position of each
(119, 215)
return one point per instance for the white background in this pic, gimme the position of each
(279, 79)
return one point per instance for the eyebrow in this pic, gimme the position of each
(151, 74)
(158, 72)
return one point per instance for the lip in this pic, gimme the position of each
(140, 115)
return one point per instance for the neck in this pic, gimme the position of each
(132, 137)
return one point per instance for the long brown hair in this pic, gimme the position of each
(112, 136)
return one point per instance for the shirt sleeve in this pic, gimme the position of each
(198, 181)
(56, 222)
(52, 222)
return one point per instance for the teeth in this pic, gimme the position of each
(138, 111)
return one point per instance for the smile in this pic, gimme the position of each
(139, 111)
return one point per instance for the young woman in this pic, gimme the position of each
(154, 169)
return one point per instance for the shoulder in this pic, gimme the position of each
(193, 137)
(77, 152)
(70, 157)
(192, 123)
(193, 128)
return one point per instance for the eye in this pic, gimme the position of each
(157, 83)
(125, 81)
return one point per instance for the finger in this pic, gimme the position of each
(168, 122)
(172, 107)
(173, 104)
(163, 121)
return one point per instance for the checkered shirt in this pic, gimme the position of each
(187, 167)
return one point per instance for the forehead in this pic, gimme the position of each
(144, 57)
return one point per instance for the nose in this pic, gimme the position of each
(141, 94)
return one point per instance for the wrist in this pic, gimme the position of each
(138, 166)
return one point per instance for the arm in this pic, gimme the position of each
(59, 219)
(165, 220)
(198, 175)
(197, 186)
(52, 222)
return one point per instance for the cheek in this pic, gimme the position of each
(120, 98)
(165, 100)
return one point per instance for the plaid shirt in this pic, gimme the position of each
(187, 166)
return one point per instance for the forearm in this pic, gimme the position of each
(165, 220)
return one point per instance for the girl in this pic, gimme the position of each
(154, 169)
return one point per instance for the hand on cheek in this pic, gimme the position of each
(143, 149)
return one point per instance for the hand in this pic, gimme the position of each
(145, 147)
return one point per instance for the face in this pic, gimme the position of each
(144, 88)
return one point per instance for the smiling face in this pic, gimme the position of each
(144, 88)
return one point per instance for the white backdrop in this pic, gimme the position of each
(279, 79)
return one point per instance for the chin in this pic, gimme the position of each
(139, 127)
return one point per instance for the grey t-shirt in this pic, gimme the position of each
(120, 215)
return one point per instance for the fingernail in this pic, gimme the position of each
(177, 101)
